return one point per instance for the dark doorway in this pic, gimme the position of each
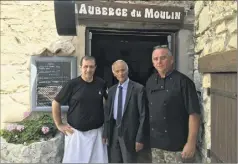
(134, 49)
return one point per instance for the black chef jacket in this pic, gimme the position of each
(171, 100)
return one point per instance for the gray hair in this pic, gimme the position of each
(163, 47)
(122, 61)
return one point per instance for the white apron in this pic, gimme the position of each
(85, 147)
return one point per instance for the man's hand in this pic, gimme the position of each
(66, 129)
(139, 146)
(189, 150)
(104, 140)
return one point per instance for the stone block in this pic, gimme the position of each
(196, 22)
(10, 11)
(207, 112)
(207, 120)
(7, 2)
(202, 41)
(220, 17)
(218, 43)
(8, 42)
(4, 27)
(204, 20)
(233, 41)
(207, 108)
(221, 7)
(40, 16)
(21, 97)
(203, 153)
(207, 137)
(196, 57)
(234, 6)
(63, 47)
(197, 80)
(232, 25)
(13, 59)
(230, 5)
(198, 41)
(206, 80)
(198, 8)
(199, 44)
(4, 161)
(14, 80)
(12, 111)
(221, 28)
(50, 151)
(207, 49)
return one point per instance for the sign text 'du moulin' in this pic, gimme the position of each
(128, 12)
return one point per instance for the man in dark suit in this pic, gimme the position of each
(125, 117)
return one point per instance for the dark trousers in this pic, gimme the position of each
(118, 152)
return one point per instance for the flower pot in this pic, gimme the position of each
(50, 151)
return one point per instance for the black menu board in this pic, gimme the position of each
(51, 77)
(52, 73)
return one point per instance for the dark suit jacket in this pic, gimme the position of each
(133, 124)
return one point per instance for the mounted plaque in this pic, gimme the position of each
(48, 76)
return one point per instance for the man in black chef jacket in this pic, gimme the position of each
(174, 111)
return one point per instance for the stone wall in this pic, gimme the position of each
(50, 151)
(27, 28)
(215, 31)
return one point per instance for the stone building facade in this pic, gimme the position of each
(215, 31)
(28, 28)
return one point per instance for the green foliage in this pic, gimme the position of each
(29, 131)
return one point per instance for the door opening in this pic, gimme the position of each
(134, 49)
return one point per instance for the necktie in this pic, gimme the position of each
(119, 106)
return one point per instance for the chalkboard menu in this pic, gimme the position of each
(48, 76)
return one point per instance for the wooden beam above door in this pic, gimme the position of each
(218, 62)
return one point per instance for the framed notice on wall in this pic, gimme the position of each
(48, 76)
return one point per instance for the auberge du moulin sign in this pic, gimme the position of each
(124, 12)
